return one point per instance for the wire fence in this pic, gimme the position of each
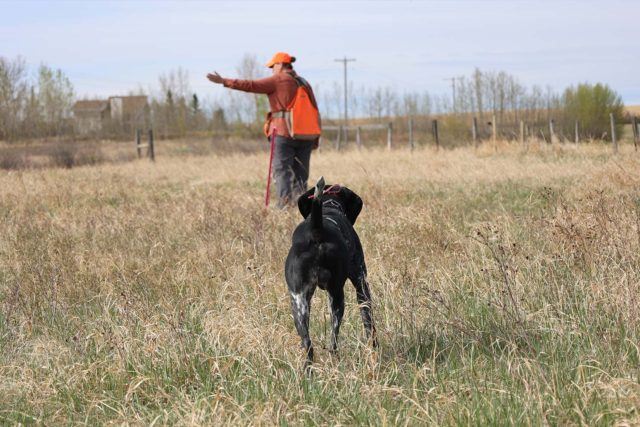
(448, 133)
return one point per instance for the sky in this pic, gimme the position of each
(110, 48)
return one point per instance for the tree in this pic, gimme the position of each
(172, 107)
(197, 119)
(375, 105)
(479, 96)
(195, 105)
(218, 119)
(13, 88)
(55, 95)
(250, 107)
(32, 115)
(591, 105)
(410, 104)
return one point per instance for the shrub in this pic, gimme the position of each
(90, 155)
(590, 105)
(12, 160)
(68, 155)
(63, 155)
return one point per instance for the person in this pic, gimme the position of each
(291, 156)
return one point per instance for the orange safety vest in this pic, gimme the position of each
(301, 116)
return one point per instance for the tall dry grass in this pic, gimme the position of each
(505, 289)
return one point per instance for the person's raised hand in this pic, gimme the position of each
(215, 77)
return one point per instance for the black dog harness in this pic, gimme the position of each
(333, 204)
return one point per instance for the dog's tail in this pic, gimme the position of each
(316, 211)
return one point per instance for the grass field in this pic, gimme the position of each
(506, 290)
(632, 109)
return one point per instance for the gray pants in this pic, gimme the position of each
(291, 168)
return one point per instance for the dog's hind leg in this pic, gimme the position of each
(336, 304)
(301, 308)
(363, 295)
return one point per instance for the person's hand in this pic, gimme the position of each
(215, 77)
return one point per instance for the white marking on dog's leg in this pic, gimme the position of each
(300, 308)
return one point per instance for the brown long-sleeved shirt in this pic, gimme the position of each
(280, 88)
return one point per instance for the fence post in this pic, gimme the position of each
(634, 124)
(494, 131)
(411, 145)
(346, 134)
(389, 137)
(138, 134)
(152, 154)
(543, 137)
(338, 137)
(577, 136)
(522, 131)
(358, 140)
(434, 128)
(474, 132)
(551, 132)
(613, 133)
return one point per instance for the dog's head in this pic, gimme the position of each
(351, 203)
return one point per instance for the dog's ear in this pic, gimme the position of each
(304, 202)
(352, 204)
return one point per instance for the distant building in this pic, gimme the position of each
(89, 115)
(117, 114)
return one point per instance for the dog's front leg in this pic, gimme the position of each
(336, 303)
(301, 308)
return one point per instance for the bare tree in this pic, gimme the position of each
(478, 84)
(12, 93)
(425, 106)
(171, 108)
(389, 102)
(31, 124)
(176, 81)
(410, 104)
(375, 105)
(250, 107)
(55, 95)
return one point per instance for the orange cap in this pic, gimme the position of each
(281, 57)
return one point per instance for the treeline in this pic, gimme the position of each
(32, 109)
(488, 95)
(175, 109)
(41, 107)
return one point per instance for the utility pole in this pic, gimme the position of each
(344, 61)
(453, 90)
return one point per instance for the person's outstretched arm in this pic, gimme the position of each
(266, 85)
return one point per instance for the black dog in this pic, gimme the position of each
(325, 251)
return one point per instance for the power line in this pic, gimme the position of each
(344, 61)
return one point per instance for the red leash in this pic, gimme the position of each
(334, 189)
(268, 192)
